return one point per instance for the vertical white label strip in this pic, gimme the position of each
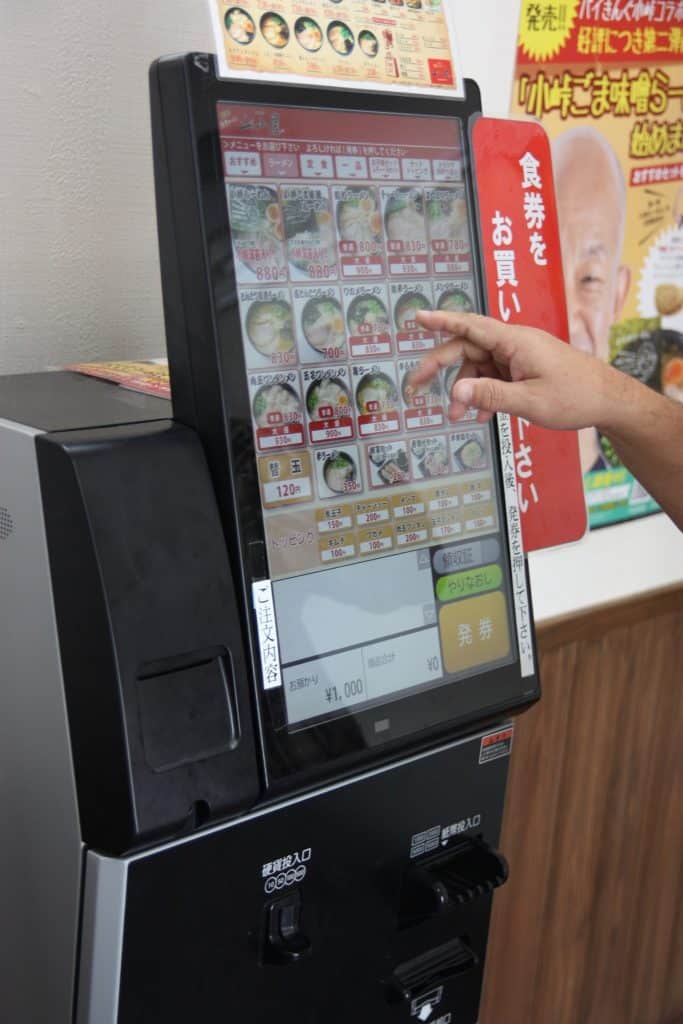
(519, 588)
(262, 599)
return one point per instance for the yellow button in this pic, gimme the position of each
(474, 631)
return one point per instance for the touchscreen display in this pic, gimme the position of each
(382, 518)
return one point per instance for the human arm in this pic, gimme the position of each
(528, 372)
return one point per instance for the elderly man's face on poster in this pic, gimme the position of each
(591, 203)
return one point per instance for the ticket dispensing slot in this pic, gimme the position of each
(420, 980)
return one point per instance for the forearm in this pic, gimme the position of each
(646, 430)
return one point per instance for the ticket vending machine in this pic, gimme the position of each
(260, 654)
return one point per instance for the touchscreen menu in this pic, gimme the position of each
(343, 226)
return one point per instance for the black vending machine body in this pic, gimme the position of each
(366, 901)
(260, 648)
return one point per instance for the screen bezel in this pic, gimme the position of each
(211, 391)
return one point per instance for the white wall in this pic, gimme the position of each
(487, 38)
(78, 253)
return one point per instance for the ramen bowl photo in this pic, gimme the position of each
(239, 25)
(269, 327)
(308, 34)
(340, 37)
(274, 30)
(322, 321)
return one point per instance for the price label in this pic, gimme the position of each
(334, 525)
(473, 497)
(411, 537)
(482, 523)
(446, 530)
(287, 490)
(338, 553)
(413, 509)
(443, 504)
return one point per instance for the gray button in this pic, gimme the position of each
(466, 556)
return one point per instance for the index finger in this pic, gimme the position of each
(429, 366)
(481, 330)
(448, 354)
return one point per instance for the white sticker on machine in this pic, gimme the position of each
(425, 842)
(262, 599)
(520, 592)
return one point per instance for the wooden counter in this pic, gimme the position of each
(589, 928)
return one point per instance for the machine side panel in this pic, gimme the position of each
(40, 849)
(154, 674)
(104, 901)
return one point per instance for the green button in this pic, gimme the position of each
(469, 582)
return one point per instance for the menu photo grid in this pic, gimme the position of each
(369, 461)
(330, 430)
(353, 460)
(337, 247)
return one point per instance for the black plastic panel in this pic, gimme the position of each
(198, 921)
(73, 401)
(159, 709)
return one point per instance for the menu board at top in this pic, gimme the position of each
(343, 226)
(382, 44)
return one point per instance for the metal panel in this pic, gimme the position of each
(104, 903)
(40, 850)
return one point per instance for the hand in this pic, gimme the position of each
(519, 370)
(529, 373)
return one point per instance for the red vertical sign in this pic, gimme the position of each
(524, 285)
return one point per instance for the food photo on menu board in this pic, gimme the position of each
(320, 321)
(337, 246)
(268, 325)
(424, 404)
(307, 216)
(359, 227)
(389, 44)
(257, 233)
(367, 316)
(406, 230)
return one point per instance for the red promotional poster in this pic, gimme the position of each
(524, 285)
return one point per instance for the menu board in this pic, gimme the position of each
(385, 44)
(344, 225)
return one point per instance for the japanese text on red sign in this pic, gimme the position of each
(502, 237)
(524, 467)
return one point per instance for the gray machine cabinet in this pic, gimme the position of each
(145, 874)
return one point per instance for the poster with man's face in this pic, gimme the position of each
(606, 80)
